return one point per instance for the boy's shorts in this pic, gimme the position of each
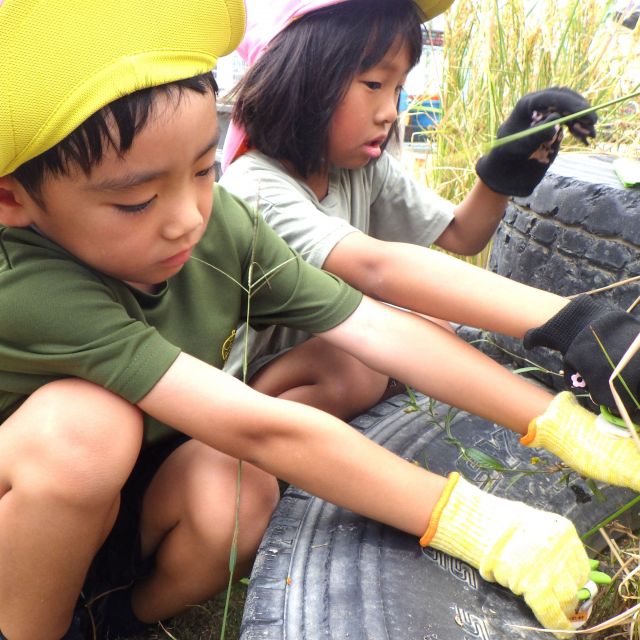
(119, 562)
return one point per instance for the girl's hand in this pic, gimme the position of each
(593, 338)
(516, 168)
(589, 444)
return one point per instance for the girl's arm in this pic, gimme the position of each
(439, 285)
(295, 442)
(476, 219)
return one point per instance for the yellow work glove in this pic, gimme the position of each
(586, 442)
(534, 553)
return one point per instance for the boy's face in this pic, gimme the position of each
(137, 217)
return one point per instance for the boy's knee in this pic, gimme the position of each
(262, 494)
(259, 495)
(81, 440)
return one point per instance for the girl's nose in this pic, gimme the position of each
(388, 110)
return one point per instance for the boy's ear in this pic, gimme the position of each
(13, 198)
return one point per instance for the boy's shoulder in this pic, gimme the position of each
(24, 249)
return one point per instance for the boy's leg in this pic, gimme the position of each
(188, 518)
(64, 456)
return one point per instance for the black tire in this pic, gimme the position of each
(578, 231)
(325, 573)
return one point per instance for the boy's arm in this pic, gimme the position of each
(508, 542)
(439, 285)
(427, 357)
(297, 443)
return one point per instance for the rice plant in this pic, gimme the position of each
(496, 51)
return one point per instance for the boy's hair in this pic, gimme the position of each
(287, 99)
(85, 146)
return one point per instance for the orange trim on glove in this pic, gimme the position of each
(439, 508)
(530, 436)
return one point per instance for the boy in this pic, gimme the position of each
(121, 288)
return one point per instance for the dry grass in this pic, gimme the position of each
(616, 611)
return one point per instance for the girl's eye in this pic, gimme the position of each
(134, 208)
(373, 85)
(208, 171)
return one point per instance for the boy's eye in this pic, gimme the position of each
(373, 85)
(208, 171)
(134, 208)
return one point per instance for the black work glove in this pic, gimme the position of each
(516, 168)
(586, 368)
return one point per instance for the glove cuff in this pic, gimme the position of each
(556, 429)
(560, 331)
(501, 177)
(426, 539)
(466, 521)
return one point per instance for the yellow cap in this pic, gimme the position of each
(60, 62)
(433, 8)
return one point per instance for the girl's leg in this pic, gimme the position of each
(322, 376)
(188, 518)
(65, 454)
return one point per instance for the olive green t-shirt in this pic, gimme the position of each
(60, 318)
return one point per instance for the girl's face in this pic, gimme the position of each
(361, 122)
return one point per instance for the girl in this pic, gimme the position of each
(312, 117)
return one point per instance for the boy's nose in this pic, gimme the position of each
(183, 220)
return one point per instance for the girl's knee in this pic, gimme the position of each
(353, 388)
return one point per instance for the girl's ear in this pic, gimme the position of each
(13, 201)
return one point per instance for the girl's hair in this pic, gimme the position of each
(85, 146)
(286, 100)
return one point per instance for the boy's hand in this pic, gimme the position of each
(516, 168)
(586, 442)
(587, 368)
(533, 553)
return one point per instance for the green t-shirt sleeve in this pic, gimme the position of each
(284, 289)
(58, 319)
